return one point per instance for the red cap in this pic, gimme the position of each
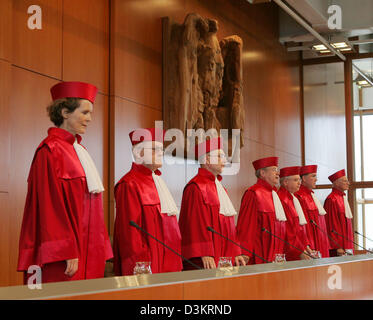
(148, 134)
(208, 146)
(337, 175)
(265, 162)
(289, 171)
(74, 89)
(308, 169)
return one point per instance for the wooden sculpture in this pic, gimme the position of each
(202, 77)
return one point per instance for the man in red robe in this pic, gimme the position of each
(261, 208)
(296, 234)
(313, 210)
(63, 230)
(142, 197)
(339, 217)
(205, 203)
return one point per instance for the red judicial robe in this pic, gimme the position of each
(199, 209)
(137, 199)
(337, 221)
(319, 240)
(257, 211)
(62, 220)
(296, 234)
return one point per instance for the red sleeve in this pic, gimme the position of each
(333, 223)
(294, 235)
(47, 232)
(308, 227)
(195, 217)
(247, 225)
(130, 245)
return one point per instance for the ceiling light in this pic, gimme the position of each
(363, 83)
(340, 45)
(319, 47)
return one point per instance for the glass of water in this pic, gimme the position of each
(225, 262)
(142, 267)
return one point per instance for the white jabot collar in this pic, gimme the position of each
(298, 208)
(168, 204)
(226, 206)
(94, 182)
(279, 210)
(322, 211)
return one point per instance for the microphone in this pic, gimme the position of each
(264, 229)
(214, 231)
(330, 238)
(363, 236)
(351, 241)
(134, 224)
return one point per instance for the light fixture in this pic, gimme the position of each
(341, 46)
(363, 83)
(363, 80)
(319, 47)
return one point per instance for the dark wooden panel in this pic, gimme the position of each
(5, 80)
(137, 48)
(6, 30)
(5, 237)
(86, 42)
(38, 50)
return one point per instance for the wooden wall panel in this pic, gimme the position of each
(86, 42)
(5, 79)
(5, 238)
(137, 50)
(29, 98)
(38, 50)
(6, 29)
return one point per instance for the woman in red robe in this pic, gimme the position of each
(63, 230)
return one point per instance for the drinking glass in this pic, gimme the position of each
(317, 255)
(279, 258)
(349, 252)
(142, 267)
(225, 262)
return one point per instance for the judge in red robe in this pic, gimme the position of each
(339, 217)
(261, 208)
(142, 196)
(205, 203)
(296, 234)
(63, 230)
(313, 210)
